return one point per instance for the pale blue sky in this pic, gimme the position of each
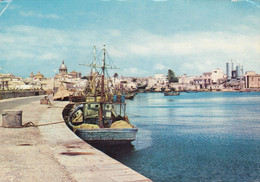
(143, 37)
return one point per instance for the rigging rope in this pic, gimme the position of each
(7, 4)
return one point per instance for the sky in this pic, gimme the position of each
(142, 37)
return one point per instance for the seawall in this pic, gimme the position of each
(23, 93)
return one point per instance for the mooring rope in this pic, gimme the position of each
(55, 107)
(31, 124)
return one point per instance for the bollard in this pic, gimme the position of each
(12, 118)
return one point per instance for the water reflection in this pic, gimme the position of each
(116, 151)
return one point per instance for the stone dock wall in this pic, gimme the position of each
(15, 94)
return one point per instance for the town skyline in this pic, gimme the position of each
(142, 38)
(111, 73)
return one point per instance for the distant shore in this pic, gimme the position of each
(7, 94)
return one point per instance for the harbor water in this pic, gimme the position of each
(204, 136)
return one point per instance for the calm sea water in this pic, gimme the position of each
(195, 137)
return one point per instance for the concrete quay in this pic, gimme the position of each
(54, 153)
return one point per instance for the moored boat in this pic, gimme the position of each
(99, 119)
(99, 123)
(171, 93)
(141, 86)
(129, 95)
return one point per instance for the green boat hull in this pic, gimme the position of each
(107, 135)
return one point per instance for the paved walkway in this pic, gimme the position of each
(53, 152)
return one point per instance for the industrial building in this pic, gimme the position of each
(234, 77)
(234, 73)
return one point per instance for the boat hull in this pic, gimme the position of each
(111, 136)
(107, 136)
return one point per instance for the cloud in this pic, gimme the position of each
(159, 67)
(38, 15)
(136, 53)
(194, 43)
(192, 52)
(133, 71)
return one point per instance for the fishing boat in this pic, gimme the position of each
(173, 93)
(101, 119)
(191, 91)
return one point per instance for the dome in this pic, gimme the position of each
(39, 76)
(63, 66)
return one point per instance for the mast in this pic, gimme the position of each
(94, 60)
(103, 75)
(102, 90)
(93, 74)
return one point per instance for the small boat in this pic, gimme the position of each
(171, 93)
(100, 119)
(129, 95)
(191, 91)
(141, 86)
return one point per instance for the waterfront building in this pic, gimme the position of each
(158, 82)
(252, 80)
(217, 76)
(7, 80)
(207, 81)
(203, 82)
(124, 83)
(217, 79)
(185, 83)
(184, 79)
(18, 85)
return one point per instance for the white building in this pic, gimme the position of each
(217, 75)
(157, 82)
(184, 79)
(160, 76)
